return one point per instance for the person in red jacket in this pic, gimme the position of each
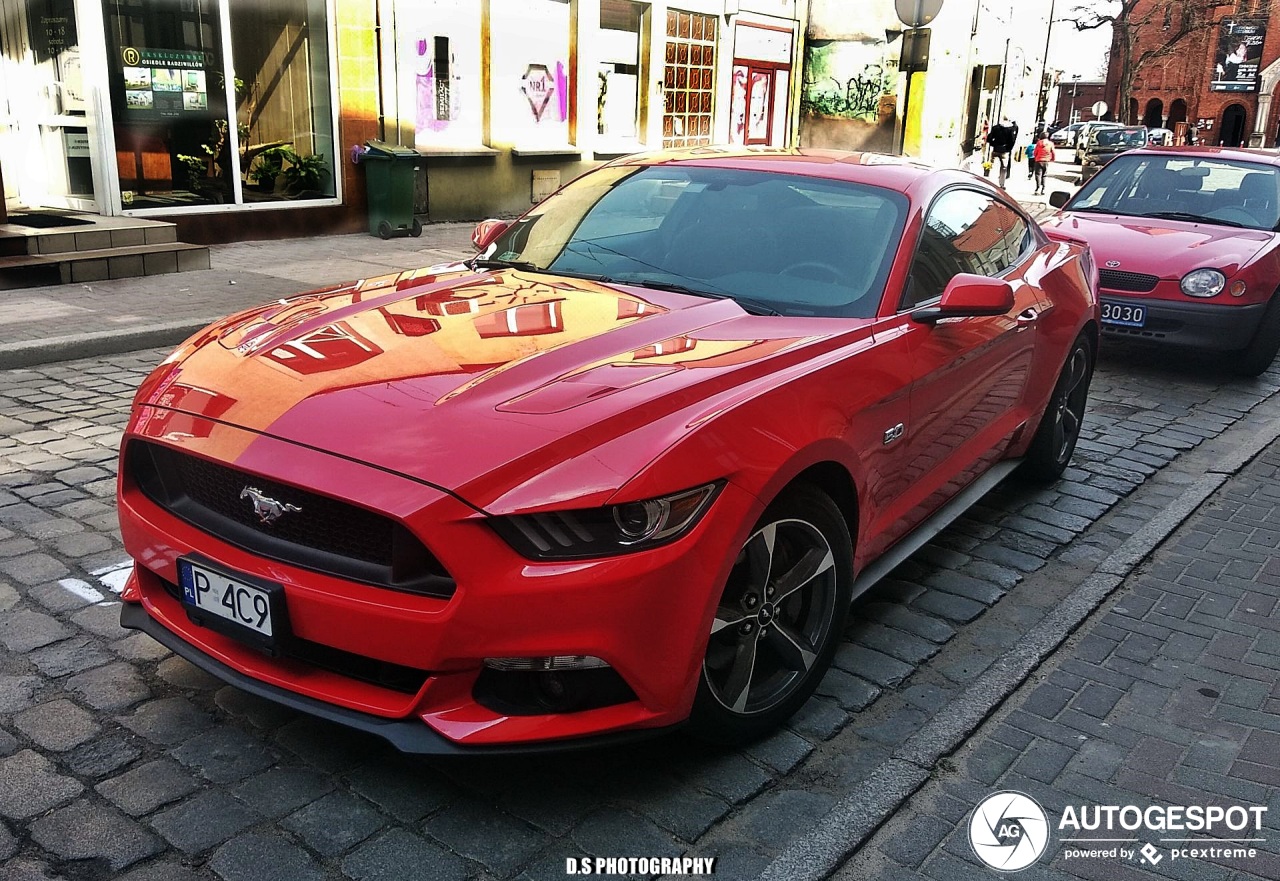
(1043, 156)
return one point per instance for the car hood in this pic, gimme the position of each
(478, 382)
(1160, 247)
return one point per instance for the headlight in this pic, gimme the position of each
(607, 531)
(1203, 283)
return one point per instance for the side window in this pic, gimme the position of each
(964, 231)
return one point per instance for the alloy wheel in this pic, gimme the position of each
(776, 610)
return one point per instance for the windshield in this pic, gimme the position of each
(1120, 137)
(786, 243)
(1223, 191)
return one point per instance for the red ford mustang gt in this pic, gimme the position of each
(1188, 248)
(625, 470)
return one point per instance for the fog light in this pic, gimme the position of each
(1237, 288)
(542, 665)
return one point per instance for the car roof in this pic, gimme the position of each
(878, 169)
(1246, 154)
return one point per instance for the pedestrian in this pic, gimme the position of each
(1043, 155)
(1031, 159)
(1001, 138)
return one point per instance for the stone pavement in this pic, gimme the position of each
(1170, 695)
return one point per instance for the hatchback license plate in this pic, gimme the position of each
(1120, 313)
(230, 598)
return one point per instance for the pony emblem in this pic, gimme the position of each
(267, 508)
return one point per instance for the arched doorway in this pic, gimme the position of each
(1177, 113)
(1153, 117)
(1231, 132)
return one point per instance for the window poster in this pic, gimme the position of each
(530, 72)
(164, 84)
(1239, 57)
(438, 48)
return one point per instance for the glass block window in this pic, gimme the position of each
(688, 78)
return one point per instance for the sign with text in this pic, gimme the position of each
(164, 83)
(1238, 60)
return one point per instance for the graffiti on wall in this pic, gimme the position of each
(846, 79)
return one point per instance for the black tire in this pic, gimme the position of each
(384, 230)
(416, 229)
(779, 635)
(1256, 357)
(1055, 439)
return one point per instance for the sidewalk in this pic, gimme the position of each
(1168, 696)
(56, 323)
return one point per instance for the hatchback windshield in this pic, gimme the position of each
(776, 243)
(1199, 189)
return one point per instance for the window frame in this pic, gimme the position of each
(1032, 242)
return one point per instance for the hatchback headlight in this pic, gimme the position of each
(607, 531)
(1203, 283)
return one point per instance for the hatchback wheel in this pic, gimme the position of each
(1055, 439)
(778, 621)
(1256, 357)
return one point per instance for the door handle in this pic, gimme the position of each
(1029, 315)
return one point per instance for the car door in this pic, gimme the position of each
(967, 374)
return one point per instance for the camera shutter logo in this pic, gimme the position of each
(1008, 831)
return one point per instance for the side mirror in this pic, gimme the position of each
(1058, 198)
(486, 231)
(966, 296)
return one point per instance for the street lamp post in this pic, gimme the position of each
(1075, 85)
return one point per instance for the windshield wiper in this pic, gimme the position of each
(755, 307)
(494, 263)
(1194, 218)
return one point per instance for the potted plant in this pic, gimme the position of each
(303, 172)
(267, 169)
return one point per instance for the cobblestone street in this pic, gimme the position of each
(120, 760)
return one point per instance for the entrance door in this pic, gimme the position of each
(1232, 129)
(45, 109)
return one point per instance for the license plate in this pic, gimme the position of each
(1120, 313)
(230, 603)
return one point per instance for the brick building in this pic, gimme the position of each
(1218, 79)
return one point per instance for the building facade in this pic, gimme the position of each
(240, 118)
(1218, 79)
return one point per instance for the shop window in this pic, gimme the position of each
(284, 117)
(177, 144)
(620, 99)
(530, 87)
(438, 72)
(688, 78)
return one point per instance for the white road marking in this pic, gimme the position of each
(81, 589)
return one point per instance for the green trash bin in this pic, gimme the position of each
(389, 173)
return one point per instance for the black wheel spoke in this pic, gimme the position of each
(794, 651)
(760, 558)
(737, 687)
(727, 616)
(814, 562)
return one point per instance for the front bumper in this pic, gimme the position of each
(647, 614)
(1218, 327)
(408, 736)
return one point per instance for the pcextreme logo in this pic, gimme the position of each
(1008, 831)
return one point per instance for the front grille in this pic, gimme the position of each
(323, 534)
(1138, 282)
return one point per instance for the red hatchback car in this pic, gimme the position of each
(624, 470)
(1187, 244)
